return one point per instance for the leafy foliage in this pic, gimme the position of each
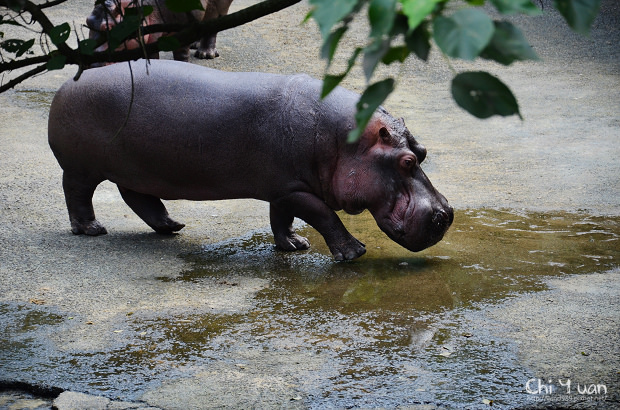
(398, 29)
(508, 45)
(463, 34)
(17, 46)
(465, 31)
(59, 34)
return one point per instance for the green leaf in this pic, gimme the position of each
(11, 45)
(579, 14)
(331, 44)
(483, 95)
(123, 30)
(417, 10)
(464, 34)
(183, 6)
(168, 43)
(24, 47)
(142, 11)
(331, 81)
(395, 54)
(370, 100)
(17, 46)
(419, 42)
(16, 5)
(57, 62)
(381, 14)
(373, 54)
(60, 34)
(516, 6)
(329, 12)
(400, 25)
(87, 46)
(507, 45)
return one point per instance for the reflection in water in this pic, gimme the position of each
(386, 329)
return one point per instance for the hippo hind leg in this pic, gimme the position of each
(79, 197)
(151, 210)
(284, 235)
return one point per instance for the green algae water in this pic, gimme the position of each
(388, 329)
(485, 256)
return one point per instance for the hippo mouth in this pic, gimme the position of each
(413, 223)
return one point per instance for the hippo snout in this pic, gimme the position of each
(442, 218)
(430, 229)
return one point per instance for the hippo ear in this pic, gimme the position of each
(401, 121)
(385, 135)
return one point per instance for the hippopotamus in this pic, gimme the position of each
(107, 13)
(179, 131)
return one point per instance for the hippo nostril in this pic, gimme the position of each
(442, 219)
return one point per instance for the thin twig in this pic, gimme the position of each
(25, 76)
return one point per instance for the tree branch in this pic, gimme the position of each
(186, 34)
(51, 4)
(15, 64)
(25, 76)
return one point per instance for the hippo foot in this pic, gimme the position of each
(292, 242)
(168, 227)
(206, 53)
(348, 250)
(90, 228)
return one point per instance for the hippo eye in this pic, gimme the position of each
(408, 162)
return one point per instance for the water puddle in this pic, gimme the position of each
(391, 323)
(388, 329)
(486, 256)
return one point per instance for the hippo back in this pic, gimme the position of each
(185, 128)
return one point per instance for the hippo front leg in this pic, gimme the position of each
(314, 211)
(206, 48)
(181, 54)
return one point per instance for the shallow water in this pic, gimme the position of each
(485, 256)
(387, 329)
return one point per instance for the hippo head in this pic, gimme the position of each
(105, 15)
(382, 173)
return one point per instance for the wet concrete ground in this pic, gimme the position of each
(521, 297)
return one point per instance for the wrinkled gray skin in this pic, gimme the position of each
(110, 12)
(264, 136)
